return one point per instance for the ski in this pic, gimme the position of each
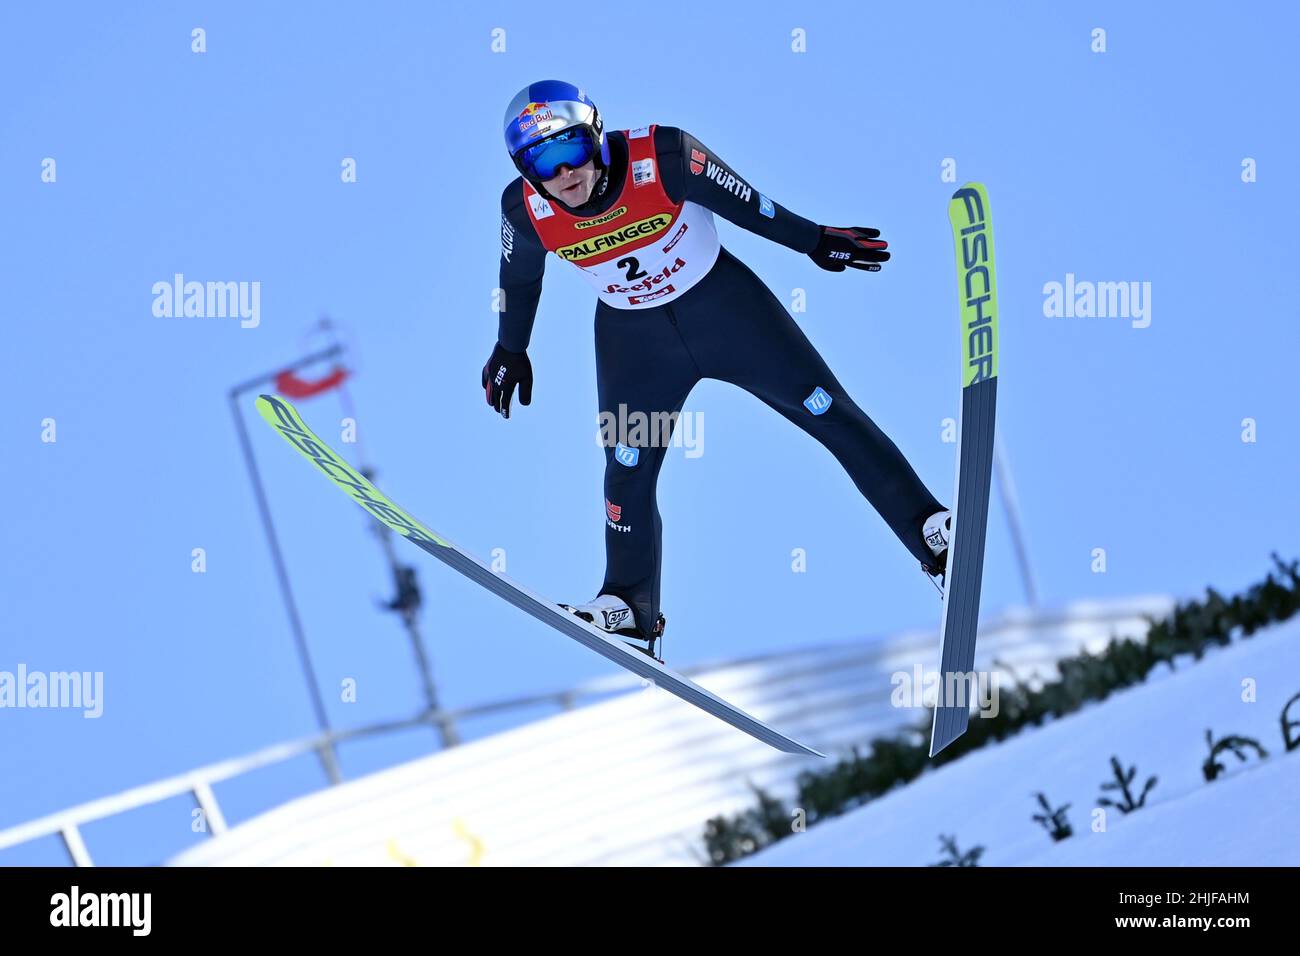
(284, 418)
(972, 233)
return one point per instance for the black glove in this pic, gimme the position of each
(503, 371)
(856, 246)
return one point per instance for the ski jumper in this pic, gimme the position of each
(675, 307)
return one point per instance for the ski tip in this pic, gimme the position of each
(935, 745)
(971, 187)
(803, 750)
(939, 741)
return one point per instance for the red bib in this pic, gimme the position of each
(645, 250)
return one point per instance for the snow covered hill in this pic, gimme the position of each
(1247, 817)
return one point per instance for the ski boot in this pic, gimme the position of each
(612, 615)
(937, 532)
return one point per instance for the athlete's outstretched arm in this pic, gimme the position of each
(693, 172)
(523, 260)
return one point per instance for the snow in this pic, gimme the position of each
(1246, 817)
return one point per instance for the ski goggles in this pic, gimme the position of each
(573, 147)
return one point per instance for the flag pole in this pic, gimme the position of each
(328, 754)
(1011, 506)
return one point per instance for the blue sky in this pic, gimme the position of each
(225, 166)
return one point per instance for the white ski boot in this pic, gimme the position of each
(937, 532)
(612, 615)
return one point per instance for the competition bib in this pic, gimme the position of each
(644, 251)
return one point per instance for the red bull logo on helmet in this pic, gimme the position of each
(534, 114)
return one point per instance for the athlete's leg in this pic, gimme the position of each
(643, 375)
(750, 340)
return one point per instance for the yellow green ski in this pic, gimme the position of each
(977, 295)
(284, 418)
